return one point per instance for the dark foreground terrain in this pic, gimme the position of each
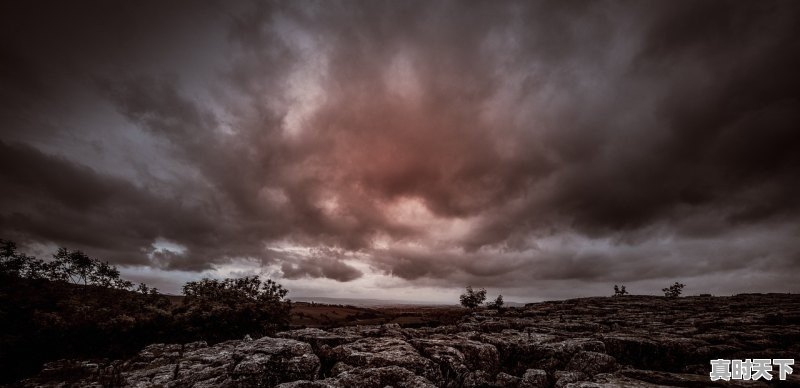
(632, 341)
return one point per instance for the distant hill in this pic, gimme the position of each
(378, 302)
(177, 300)
(364, 302)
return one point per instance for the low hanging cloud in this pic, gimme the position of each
(320, 267)
(565, 143)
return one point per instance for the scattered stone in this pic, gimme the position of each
(341, 367)
(656, 352)
(685, 380)
(477, 379)
(262, 362)
(317, 337)
(506, 380)
(379, 352)
(460, 354)
(592, 363)
(556, 355)
(564, 377)
(389, 376)
(534, 378)
(613, 381)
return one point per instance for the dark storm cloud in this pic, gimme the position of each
(48, 198)
(720, 137)
(321, 263)
(56, 200)
(520, 129)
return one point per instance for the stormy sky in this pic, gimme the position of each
(403, 149)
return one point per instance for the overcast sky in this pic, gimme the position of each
(402, 149)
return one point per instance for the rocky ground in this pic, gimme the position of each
(631, 341)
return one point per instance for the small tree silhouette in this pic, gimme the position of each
(70, 266)
(472, 299)
(12, 263)
(74, 266)
(620, 291)
(674, 290)
(497, 304)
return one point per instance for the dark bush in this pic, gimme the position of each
(674, 290)
(620, 291)
(77, 307)
(472, 299)
(214, 310)
(497, 304)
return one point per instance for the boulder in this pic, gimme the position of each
(685, 379)
(387, 330)
(477, 379)
(386, 351)
(318, 337)
(518, 351)
(613, 381)
(534, 378)
(494, 325)
(460, 354)
(556, 355)
(389, 376)
(656, 352)
(592, 363)
(265, 361)
(505, 380)
(563, 378)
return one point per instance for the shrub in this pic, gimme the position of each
(497, 304)
(674, 290)
(472, 299)
(77, 306)
(220, 309)
(11, 263)
(620, 291)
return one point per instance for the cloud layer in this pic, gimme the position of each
(534, 147)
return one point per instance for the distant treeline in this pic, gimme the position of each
(77, 306)
(67, 266)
